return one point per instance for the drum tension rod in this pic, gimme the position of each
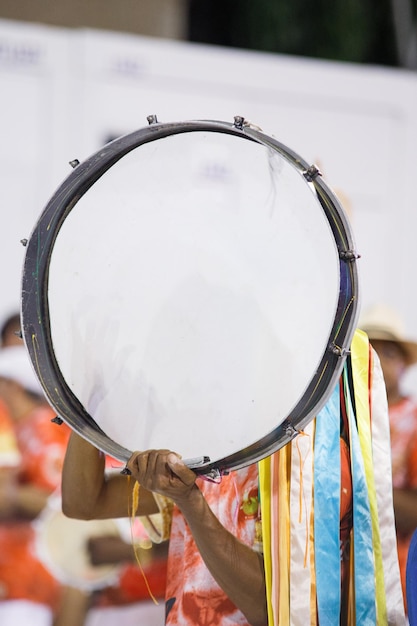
(238, 121)
(339, 351)
(57, 420)
(291, 432)
(289, 429)
(349, 255)
(311, 173)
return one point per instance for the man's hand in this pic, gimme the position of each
(163, 472)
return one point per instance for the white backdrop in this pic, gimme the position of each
(66, 92)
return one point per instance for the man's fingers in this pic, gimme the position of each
(147, 466)
(177, 467)
(132, 465)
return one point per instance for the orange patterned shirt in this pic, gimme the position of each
(192, 595)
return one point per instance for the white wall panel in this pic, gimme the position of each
(33, 117)
(359, 123)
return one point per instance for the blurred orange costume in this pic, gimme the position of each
(40, 445)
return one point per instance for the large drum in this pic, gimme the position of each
(190, 286)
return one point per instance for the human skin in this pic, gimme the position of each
(87, 493)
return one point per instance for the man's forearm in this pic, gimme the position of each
(236, 567)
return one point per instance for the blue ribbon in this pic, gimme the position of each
(327, 511)
(362, 528)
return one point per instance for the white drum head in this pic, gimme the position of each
(192, 297)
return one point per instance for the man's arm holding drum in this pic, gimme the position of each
(86, 493)
(89, 493)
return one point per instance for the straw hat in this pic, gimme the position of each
(15, 365)
(383, 324)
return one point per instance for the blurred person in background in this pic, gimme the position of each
(10, 333)
(31, 470)
(137, 595)
(397, 354)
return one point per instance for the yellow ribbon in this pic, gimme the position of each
(276, 532)
(265, 497)
(361, 385)
(284, 461)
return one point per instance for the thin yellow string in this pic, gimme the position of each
(132, 514)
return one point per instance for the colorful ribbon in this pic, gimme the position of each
(364, 573)
(327, 510)
(301, 531)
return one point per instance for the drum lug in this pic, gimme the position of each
(214, 475)
(152, 119)
(291, 432)
(238, 121)
(57, 420)
(338, 350)
(311, 173)
(74, 163)
(349, 255)
(289, 429)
